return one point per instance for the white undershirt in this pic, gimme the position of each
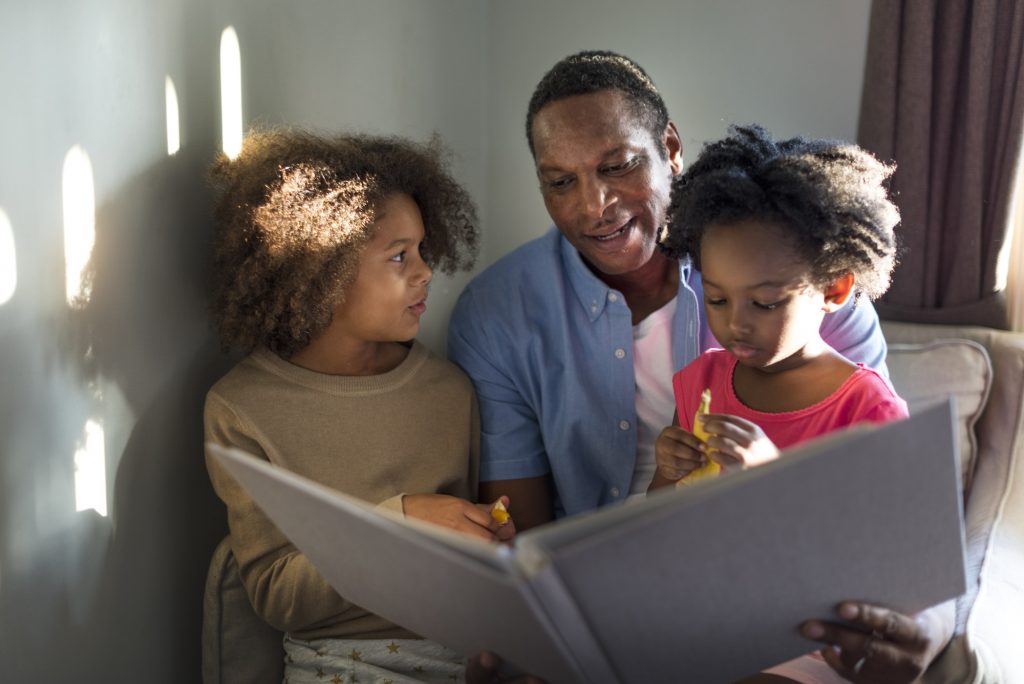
(655, 405)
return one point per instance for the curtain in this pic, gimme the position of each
(944, 98)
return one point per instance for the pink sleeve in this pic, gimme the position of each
(888, 410)
(886, 406)
(683, 413)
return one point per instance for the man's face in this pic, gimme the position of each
(605, 178)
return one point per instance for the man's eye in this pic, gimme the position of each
(622, 167)
(558, 183)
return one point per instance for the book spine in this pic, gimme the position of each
(553, 601)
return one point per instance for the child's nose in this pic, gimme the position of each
(423, 275)
(738, 322)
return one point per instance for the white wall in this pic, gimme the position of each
(117, 598)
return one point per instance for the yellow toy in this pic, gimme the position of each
(709, 469)
(499, 513)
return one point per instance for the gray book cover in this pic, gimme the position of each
(706, 584)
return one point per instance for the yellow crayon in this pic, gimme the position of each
(499, 513)
(709, 469)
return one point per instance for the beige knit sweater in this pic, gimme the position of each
(414, 429)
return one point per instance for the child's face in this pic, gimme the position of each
(389, 294)
(759, 300)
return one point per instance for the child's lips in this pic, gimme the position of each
(742, 351)
(419, 307)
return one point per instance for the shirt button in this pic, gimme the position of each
(615, 492)
(623, 424)
(620, 353)
(612, 297)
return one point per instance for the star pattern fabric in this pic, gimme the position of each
(371, 661)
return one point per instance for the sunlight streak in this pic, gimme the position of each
(173, 125)
(91, 471)
(79, 224)
(230, 93)
(8, 260)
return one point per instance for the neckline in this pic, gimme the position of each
(786, 415)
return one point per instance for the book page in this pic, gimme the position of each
(463, 593)
(710, 583)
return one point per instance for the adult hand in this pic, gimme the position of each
(677, 453)
(882, 645)
(484, 668)
(459, 515)
(735, 441)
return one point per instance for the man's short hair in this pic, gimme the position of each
(594, 71)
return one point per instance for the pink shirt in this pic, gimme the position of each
(865, 396)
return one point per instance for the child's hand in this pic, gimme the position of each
(677, 453)
(735, 441)
(459, 515)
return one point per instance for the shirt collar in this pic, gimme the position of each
(590, 290)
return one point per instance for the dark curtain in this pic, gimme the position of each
(944, 98)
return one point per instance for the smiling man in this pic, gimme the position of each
(572, 339)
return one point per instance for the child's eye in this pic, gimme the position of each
(767, 307)
(713, 302)
(399, 258)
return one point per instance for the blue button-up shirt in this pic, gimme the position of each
(549, 348)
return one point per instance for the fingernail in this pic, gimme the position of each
(812, 630)
(848, 611)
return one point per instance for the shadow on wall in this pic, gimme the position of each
(120, 598)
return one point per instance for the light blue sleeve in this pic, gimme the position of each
(511, 438)
(854, 331)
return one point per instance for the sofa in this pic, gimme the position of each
(982, 368)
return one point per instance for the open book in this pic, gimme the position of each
(707, 584)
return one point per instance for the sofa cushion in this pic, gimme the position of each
(238, 646)
(922, 373)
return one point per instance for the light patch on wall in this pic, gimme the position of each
(8, 260)
(91, 471)
(79, 224)
(173, 124)
(230, 93)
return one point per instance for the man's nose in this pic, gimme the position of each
(596, 197)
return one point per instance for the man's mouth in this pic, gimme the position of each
(618, 233)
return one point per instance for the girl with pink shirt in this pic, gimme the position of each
(783, 232)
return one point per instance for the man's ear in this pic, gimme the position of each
(674, 146)
(839, 292)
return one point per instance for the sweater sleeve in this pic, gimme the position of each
(283, 586)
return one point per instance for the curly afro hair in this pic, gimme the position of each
(830, 196)
(292, 215)
(594, 71)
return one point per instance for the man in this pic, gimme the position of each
(571, 340)
(571, 408)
